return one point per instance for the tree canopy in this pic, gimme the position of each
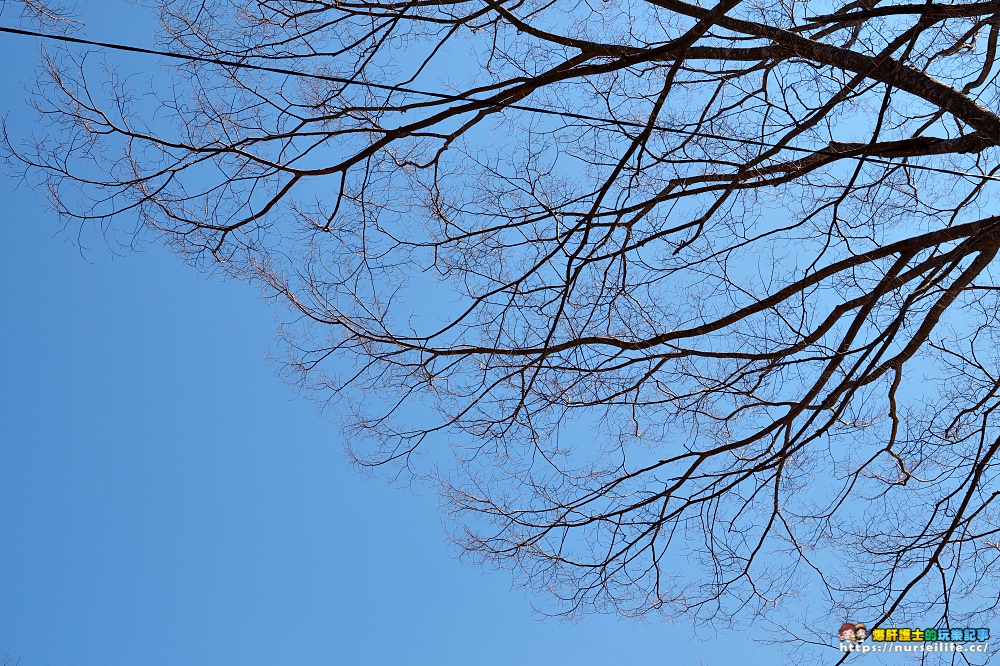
(700, 296)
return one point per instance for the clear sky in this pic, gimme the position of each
(166, 499)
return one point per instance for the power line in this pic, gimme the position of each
(459, 98)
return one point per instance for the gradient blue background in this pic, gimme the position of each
(166, 499)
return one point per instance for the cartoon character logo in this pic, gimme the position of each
(860, 632)
(847, 632)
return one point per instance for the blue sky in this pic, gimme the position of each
(166, 499)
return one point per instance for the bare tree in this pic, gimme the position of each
(700, 297)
